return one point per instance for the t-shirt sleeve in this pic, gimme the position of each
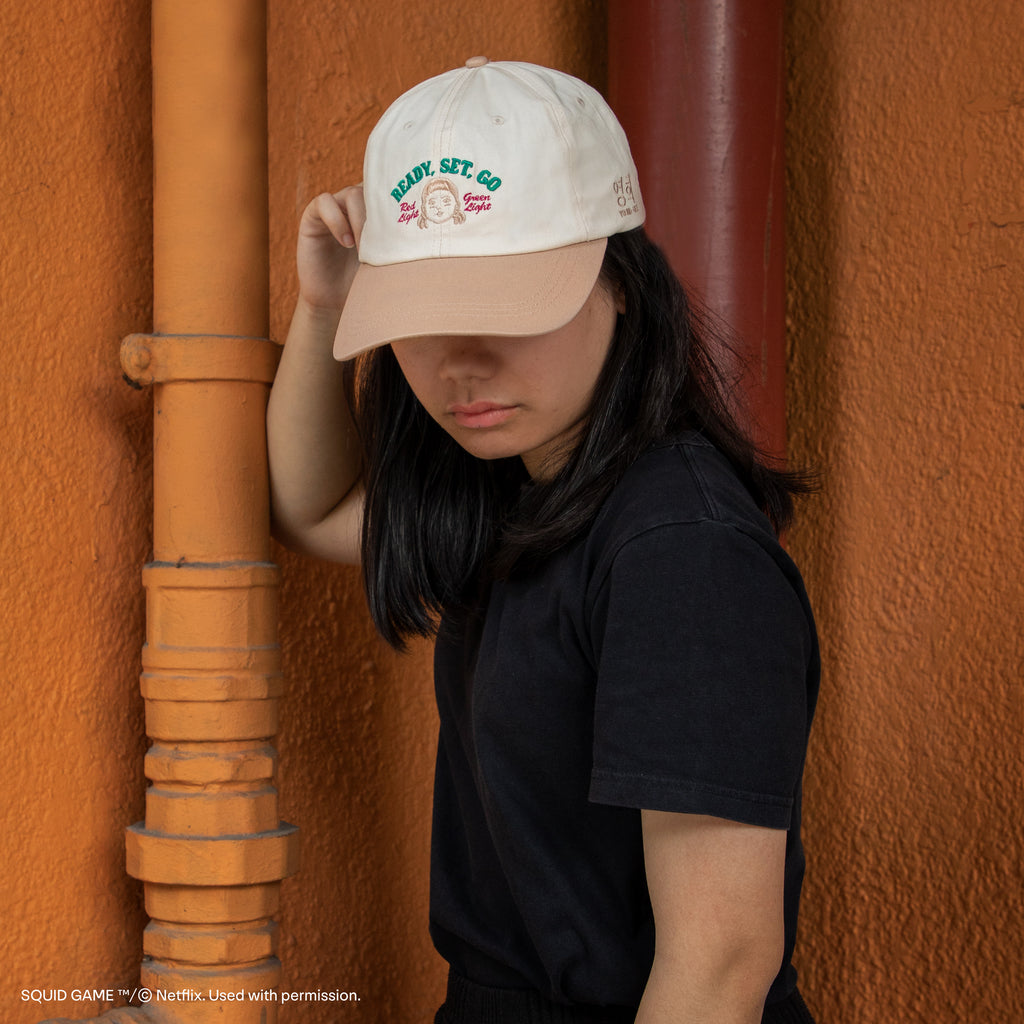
(703, 646)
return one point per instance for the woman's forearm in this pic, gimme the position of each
(311, 439)
(726, 989)
(716, 890)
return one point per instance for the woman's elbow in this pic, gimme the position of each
(721, 979)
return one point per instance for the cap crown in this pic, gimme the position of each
(495, 159)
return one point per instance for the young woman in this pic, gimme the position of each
(539, 466)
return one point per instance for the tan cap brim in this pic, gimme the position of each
(525, 294)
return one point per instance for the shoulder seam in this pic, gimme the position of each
(668, 523)
(699, 480)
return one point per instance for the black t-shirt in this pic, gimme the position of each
(667, 660)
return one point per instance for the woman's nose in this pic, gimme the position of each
(466, 357)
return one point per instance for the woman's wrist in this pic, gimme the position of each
(319, 317)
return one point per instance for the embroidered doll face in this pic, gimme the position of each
(439, 202)
(439, 205)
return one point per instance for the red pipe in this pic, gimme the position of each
(699, 88)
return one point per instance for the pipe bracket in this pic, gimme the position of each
(162, 358)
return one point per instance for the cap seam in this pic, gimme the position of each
(561, 123)
(442, 142)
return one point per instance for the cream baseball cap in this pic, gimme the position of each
(490, 193)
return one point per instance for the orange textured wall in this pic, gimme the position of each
(906, 227)
(906, 237)
(75, 276)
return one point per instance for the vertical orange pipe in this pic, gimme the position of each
(699, 88)
(212, 851)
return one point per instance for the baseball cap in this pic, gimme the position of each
(490, 192)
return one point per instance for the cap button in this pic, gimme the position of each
(477, 62)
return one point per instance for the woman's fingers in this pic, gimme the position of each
(329, 232)
(350, 201)
(341, 214)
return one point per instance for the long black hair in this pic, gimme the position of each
(439, 523)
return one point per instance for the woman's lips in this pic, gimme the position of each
(481, 414)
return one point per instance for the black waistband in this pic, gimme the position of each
(791, 1010)
(469, 1003)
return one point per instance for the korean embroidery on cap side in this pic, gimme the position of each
(627, 201)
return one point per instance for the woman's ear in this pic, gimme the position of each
(620, 300)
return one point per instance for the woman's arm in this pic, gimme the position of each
(716, 887)
(316, 497)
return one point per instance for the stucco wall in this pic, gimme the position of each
(906, 388)
(906, 226)
(75, 275)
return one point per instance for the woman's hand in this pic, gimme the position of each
(327, 250)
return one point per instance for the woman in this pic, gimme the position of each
(544, 472)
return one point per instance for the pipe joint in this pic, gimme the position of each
(212, 860)
(163, 358)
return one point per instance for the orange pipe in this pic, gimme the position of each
(699, 87)
(212, 850)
